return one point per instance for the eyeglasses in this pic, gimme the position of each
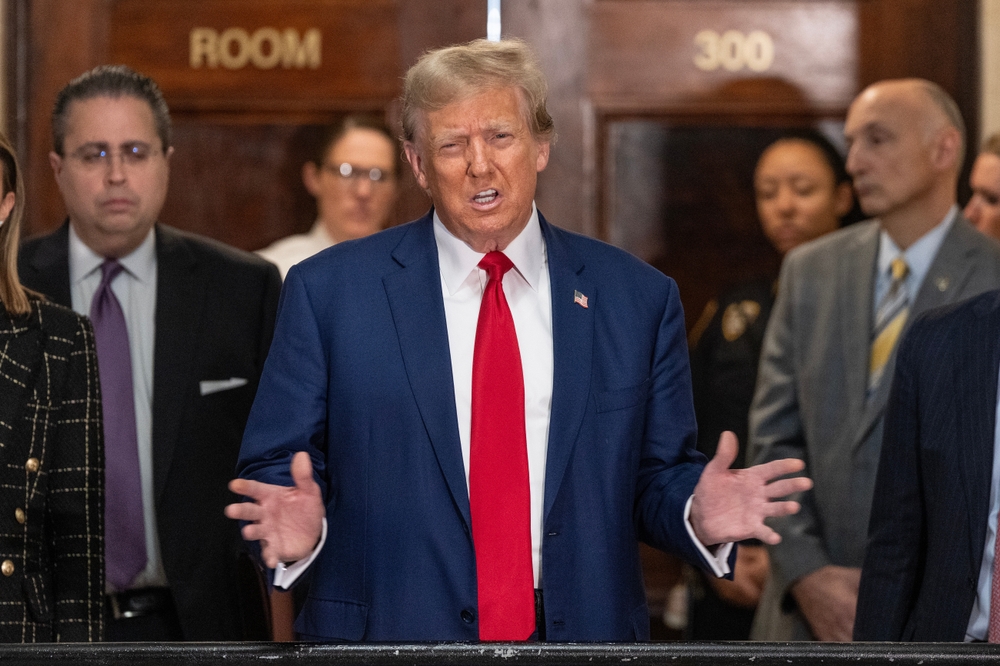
(96, 155)
(352, 173)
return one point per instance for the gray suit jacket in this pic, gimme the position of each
(810, 397)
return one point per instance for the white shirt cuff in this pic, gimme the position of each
(284, 576)
(719, 561)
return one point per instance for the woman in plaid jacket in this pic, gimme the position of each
(51, 455)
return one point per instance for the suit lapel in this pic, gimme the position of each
(950, 271)
(857, 273)
(49, 267)
(572, 350)
(180, 299)
(414, 294)
(976, 390)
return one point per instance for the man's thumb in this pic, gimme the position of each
(302, 470)
(725, 453)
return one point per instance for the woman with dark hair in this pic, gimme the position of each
(802, 192)
(51, 454)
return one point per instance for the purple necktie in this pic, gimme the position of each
(124, 531)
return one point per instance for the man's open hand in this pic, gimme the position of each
(286, 520)
(731, 504)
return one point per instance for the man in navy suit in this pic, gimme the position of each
(928, 572)
(364, 454)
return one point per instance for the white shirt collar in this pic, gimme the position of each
(140, 263)
(457, 260)
(320, 234)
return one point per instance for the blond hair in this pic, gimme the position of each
(12, 294)
(992, 144)
(445, 75)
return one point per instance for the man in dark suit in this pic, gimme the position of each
(929, 570)
(197, 319)
(469, 421)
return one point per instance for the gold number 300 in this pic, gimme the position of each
(732, 50)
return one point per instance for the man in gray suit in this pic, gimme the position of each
(843, 302)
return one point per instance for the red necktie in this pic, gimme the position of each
(994, 631)
(498, 469)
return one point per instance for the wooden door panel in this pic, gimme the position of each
(281, 54)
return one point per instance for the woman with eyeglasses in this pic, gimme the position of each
(51, 454)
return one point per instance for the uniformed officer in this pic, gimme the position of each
(802, 192)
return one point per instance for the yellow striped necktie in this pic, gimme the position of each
(890, 317)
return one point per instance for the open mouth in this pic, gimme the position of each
(486, 196)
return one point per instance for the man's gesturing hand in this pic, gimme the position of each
(731, 504)
(288, 521)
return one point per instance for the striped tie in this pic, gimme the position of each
(889, 321)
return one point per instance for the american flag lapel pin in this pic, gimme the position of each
(579, 299)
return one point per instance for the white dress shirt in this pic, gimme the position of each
(528, 293)
(290, 250)
(135, 288)
(526, 287)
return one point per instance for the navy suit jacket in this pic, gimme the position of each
(932, 493)
(359, 376)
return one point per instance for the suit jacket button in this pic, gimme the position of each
(7, 568)
(19, 515)
(31, 465)
(468, 616)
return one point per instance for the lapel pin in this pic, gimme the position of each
(580, 299)
(942, 283)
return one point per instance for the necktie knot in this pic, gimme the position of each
(109, 271)
(496, 264)
(898, 268)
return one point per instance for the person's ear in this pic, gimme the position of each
(6, 206)
(310, 178)
(543, 155)
(947, 148)
(416, 164)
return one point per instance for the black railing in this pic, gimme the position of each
(502, 654)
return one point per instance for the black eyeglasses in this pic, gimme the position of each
(350, 172)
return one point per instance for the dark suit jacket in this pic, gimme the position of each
(51, 478)
(215, 309)
(932, 494)
(360, 377)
